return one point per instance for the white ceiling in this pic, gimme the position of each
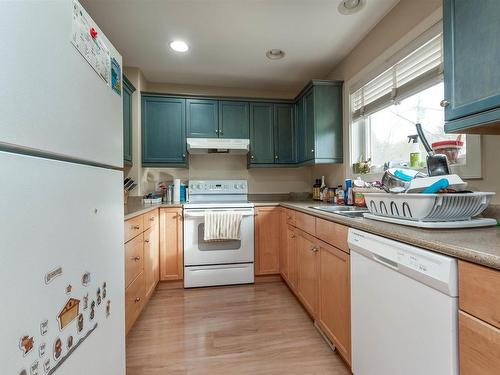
(228, 38)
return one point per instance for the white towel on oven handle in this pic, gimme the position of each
(222, 225)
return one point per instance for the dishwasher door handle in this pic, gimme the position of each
(386, 262)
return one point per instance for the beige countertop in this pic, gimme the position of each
(135, 207)
(479, 245)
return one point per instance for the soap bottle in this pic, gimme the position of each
(415, 155)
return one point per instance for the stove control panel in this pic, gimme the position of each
(218, 187)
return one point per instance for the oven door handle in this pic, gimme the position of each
(202, 213)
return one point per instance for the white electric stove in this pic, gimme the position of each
(217, 262)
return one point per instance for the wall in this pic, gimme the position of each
(265, 180)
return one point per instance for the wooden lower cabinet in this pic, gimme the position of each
(308, 267)
(283, 246)
(141, 263)
(291, 250)
(479, 346)
(267, 240)
(334, 316)
(171, 246)
(134, 301)
(151, 259)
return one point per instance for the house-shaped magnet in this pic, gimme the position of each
(69, 312)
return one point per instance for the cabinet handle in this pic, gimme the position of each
(136, 259)
(314, 249)
(221, 133)
(138, 299)
(444, 103)
(152, 218)
(289, 218)
(276, 157)
(216, 131)
(184, 156)
(147, 241)
(312, 150)
(136, 227)
(292, 236)
(252, 157)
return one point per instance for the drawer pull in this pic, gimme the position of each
(136, 227)
(292, 236)
(147, 241)
(314, 249)
(138, 299)
(136, 259)
(152, 218)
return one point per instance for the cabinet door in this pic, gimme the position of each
(283, 245)
(202, 118)
(134, 301)
(127, 123)
(284, 134)
(261, 133)
(291, 248)
(479, 346)
(471, 56)
(334, 300)
(163, 131)
(267, 240)
(309, 152)
(308, 260)
(234, 119)
(300, 139)
(151, 259)
(171, 251)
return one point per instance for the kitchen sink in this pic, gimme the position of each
(347, 211)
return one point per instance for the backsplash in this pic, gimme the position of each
(222, 166)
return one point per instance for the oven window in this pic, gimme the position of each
(215, 245)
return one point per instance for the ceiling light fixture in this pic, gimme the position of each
(348, 7)
(275, 54)
(179, 46)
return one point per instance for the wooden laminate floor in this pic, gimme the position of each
(252, 329)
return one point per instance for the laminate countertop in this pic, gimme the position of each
(477, 245)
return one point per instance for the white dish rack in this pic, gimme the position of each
(428, 207)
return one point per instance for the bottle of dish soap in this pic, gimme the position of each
(415, 155)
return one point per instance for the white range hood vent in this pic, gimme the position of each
(197, 146)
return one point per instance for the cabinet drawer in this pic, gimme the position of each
(133, 227)
(134, 301)
(290, 216)
(479, 292)
(305, 222)
(134, 258)
(479, 346)
(149, 219)
(332, 233)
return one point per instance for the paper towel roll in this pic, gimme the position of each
(177, 190)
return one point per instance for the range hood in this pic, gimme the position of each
(197, 146)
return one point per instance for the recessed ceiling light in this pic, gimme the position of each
(275, 54)
(179, 46)
(348, 7)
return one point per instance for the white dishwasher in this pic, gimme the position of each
(404, 308)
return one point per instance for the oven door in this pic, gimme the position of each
(198, 252)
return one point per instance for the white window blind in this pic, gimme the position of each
(420, 69)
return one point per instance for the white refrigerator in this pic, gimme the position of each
(61, 199)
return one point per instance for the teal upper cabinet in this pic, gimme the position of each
(320, 130)
(202, 118)
(234, 119)
(128, 90)
(261, 133)
(471, 58)
(163, 131)
(284, 134)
